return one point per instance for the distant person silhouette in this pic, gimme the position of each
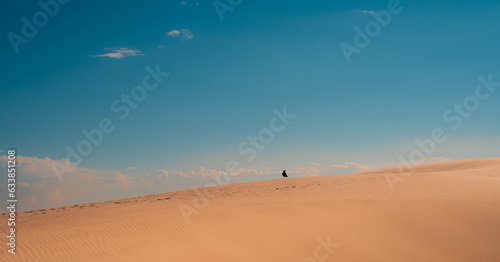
(284, 173)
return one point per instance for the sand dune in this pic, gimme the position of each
(440, 212)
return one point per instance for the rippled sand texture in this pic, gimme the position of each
(440, 212)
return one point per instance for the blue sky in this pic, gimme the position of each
(226, 77)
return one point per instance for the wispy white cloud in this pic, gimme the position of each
(367, 11)
(185, 34)
(119, 53)
(316, 169)
(184, 3)
(132, 168)
(173, 33)
(23, 184)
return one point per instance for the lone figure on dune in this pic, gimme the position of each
(284, 173)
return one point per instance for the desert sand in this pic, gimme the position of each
(446, 211)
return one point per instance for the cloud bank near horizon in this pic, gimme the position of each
(38, 186)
